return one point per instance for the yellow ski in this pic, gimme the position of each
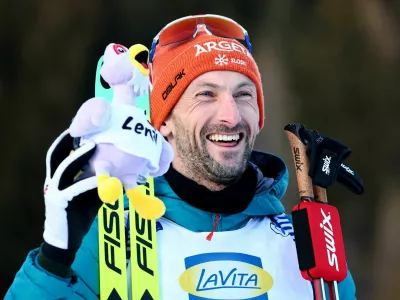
(144, 258)
(112, 240)
(112, 251)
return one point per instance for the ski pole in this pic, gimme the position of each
(318, 236)
(321, 196)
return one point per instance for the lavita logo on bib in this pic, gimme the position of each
(225, 275)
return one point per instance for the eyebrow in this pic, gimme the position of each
(216, 86)
(211, 85)
(246, 83)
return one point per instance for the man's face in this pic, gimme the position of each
(213, 127)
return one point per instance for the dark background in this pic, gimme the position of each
(332, 65)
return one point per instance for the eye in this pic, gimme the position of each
(119, 49)
(243, 94)
(206, 94)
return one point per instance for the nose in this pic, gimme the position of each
(228, 111)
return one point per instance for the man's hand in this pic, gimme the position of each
(71, 202)
(327, 161)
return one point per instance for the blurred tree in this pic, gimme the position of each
(343, 62)
(380, 23)
(46, 45)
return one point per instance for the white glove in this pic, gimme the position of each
(71, 205)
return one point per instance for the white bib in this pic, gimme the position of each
(256, 262)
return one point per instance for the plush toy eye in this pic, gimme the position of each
(120, 49)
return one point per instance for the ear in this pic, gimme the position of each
(166, 127)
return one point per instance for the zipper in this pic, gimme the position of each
(215, 226)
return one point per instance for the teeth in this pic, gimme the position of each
(223, 137)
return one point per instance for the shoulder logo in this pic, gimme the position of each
(278, 230)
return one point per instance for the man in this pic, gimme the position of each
(224, 213)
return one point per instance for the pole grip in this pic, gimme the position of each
(320, 194)
(301, 162)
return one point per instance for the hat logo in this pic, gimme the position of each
(221, 60)
(221, 46)
(173, 84)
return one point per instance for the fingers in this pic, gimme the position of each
(81, 186)
(57, 152)
(350, 179)
(72, 164)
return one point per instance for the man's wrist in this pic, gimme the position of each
(55, 260)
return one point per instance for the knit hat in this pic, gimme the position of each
(175, 66)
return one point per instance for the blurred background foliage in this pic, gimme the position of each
(333, 65)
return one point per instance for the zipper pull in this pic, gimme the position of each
(210, 235)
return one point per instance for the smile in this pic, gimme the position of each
(225, 139)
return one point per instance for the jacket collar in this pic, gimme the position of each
(272, 181)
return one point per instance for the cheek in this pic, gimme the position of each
(195, 122)
(251, 115)
(198, 133)
(187, 131)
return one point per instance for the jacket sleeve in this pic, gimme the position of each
(347, 288)
(34, 282)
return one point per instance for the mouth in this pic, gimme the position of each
(139, 56)
(224, 139)
(142, 58)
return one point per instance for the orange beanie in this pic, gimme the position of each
(175, 66)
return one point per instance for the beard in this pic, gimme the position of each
(201, 165)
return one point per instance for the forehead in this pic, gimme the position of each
(222, 78)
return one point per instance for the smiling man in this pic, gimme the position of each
(224, 234)
(212, 115)
(213, 127)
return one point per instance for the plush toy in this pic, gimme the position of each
(128, 148)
